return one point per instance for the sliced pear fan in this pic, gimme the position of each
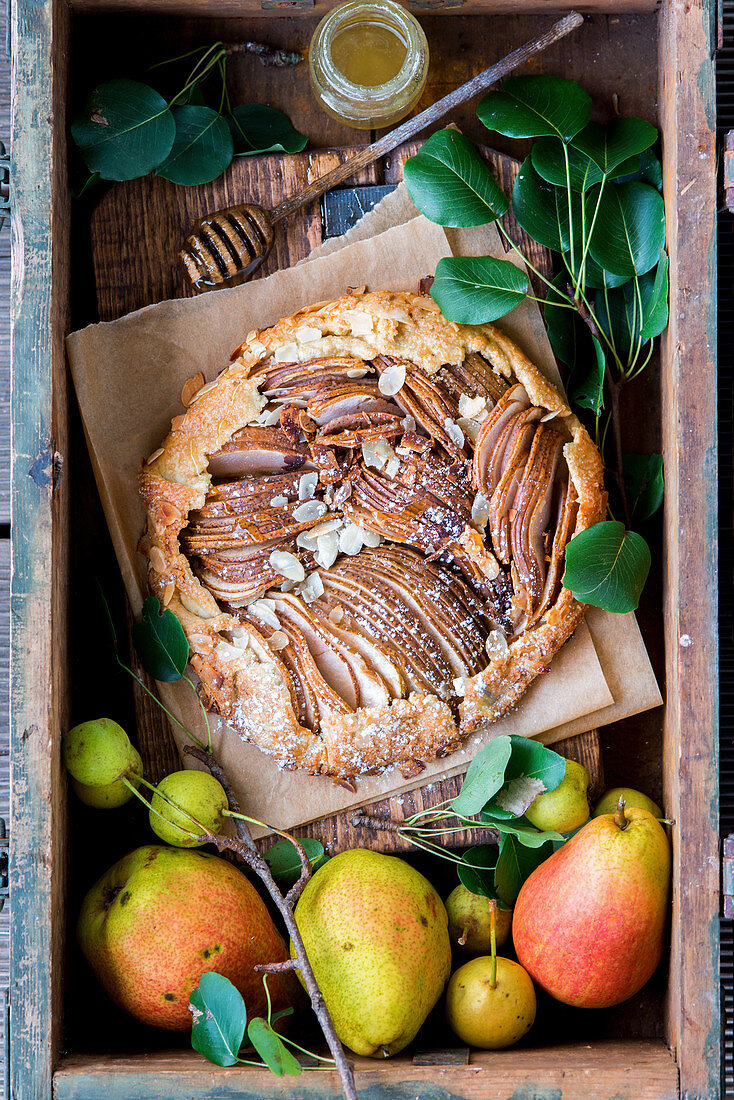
(389, 546)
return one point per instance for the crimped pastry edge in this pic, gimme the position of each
(249, 687)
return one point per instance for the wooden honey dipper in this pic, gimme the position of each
(227, 247)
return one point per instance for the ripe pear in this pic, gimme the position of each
(566, 808)
(470, 923)
(376, 933)
(607, 804)
(198, 796)
(112, 795)
(486, 1014)
(162, 917)
(97, 753)
(589, 921)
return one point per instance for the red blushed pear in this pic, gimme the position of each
(588, 924)
(161, 917)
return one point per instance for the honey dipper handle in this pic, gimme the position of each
(413, 126)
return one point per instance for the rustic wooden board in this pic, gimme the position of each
(40, 545)
(136, 232)
(137, 228)
(687, 45)
(599, 1071)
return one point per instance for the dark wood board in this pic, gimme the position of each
(137, 228)
(136, 232)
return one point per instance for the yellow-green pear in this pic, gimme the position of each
(609, 801)
(97, 753)
(376, 934)
(184, 804)
(112, 795)
(470, 922)
(486, 1013)
(567, 807)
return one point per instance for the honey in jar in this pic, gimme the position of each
(368, 63)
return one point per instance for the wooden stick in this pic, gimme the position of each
(413, 126)
(244, 847)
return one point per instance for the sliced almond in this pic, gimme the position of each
(191, 387)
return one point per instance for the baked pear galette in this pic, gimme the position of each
(361, 525)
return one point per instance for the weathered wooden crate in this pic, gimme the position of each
(658, 61)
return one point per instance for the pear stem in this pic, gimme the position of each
(493, 942)
(620, 818)
(244, 847)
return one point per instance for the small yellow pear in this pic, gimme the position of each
(609, 801)
(567, 807)
(490, 1015)
(470, 922)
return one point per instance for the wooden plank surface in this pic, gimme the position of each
(602, 1071)
(287, 8)
(687, 44)
(137, 228)
(136, 232)
(39, 685)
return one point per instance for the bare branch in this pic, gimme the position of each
(276, 968)
(381, 824)
(244, 847)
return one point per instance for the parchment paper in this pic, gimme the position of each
(128, 375)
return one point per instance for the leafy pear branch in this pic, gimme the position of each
(243, 846)
(591, 194)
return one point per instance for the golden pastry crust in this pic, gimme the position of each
(244, 678)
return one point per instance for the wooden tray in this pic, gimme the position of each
(136, 232)
(658, 62)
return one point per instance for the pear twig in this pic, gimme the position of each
(276, 968)
(243, 846)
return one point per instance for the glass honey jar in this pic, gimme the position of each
(368, 62)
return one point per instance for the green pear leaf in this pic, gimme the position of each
(607, 566)
(219, 1018)
(529, 761)
(586, 388)
(631, 223)
(515, 863)
(549, 161)
(536, 106)
(569, 336)
(654, 290)
(543, 211)
(285, 862)
(257, 128)
(611, 146)
(272, 1049)
(161, 643)
(125, 130)
(450, 183)
(476, 289)
(523, 831)
(536, 761)
(202, 148)
(594, 276)
(484, 777)
(476, 870)
(644, 484)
